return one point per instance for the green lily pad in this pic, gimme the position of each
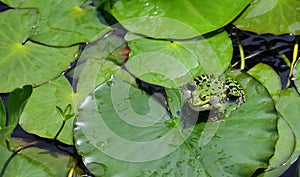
(97, 63)
(288, 107)
(286, 141)
(41, 108)
(29, 63)
(213, 132)
(296, 74)
(56, 163)
(273, 16)
(172, 63)
(34, 161)
(12, 3)
(4, 130)
(163, 19)
(20, 165)
(268, 77)
(17, 99)
(63, 23)
(284, 149)
(120, 130)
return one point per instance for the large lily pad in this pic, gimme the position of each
(63, 23)
(172, 63)
(286, 142)
(41, 108)
(121, 131)
(272, 16)
(163, 19)
(29, 63)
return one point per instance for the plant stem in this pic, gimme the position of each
(60, 129)
(295, 54)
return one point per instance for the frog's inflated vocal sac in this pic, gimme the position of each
(209, 92)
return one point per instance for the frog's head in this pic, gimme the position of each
(200, 97)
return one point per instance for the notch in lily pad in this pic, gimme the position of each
(66, 114)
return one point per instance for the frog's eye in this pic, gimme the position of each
(203, 97)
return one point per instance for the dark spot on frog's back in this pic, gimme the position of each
(232, 87)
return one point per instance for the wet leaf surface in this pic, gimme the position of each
(33, 162)
(172, 63)
(288, 107)
(63, 23)
(281, 16)
(162, 19)
(116, 129)
(32, 63)
(41, 108)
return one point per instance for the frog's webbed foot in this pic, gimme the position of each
(240, 101)
(217, 113)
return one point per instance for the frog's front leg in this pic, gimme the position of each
(217, 112)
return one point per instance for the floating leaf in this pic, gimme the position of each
(41, 108)
(118, 115)
(296, 74)
(4, 130)
(63, 23)
(283, 150)
(15, 105)
(288, 107)
(97, 63)
(272, 16)
(266, 75)
(172, 63)
(163, 19)
(20, 165)
(29, 63)
(34, 162)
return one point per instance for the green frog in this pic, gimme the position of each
(209, 92)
